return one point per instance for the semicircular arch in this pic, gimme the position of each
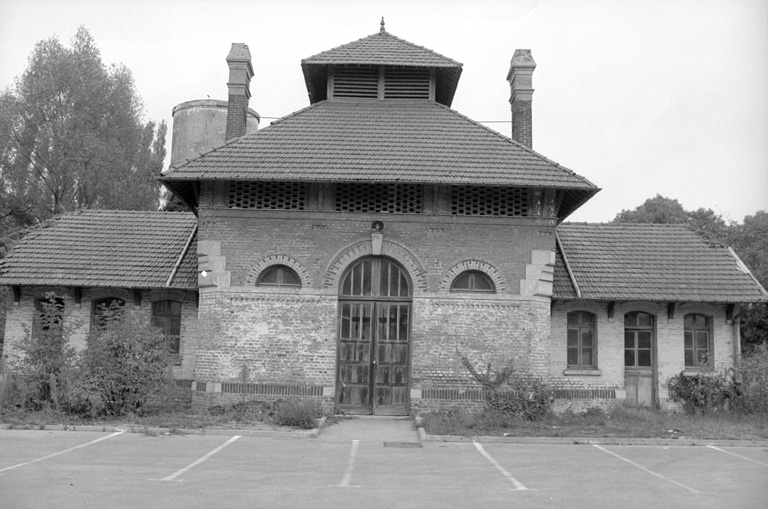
(278, 259)
(478, 265)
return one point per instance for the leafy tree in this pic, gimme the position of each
(72, 137)
(658, 210)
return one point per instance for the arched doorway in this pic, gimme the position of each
(374, 332)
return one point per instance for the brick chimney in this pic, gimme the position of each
(520, 79)
(240, 74)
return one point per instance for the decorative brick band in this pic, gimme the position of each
(475, 305)
(453, 394)
(271, 389)
(276, 298)
(389, 249)
(607, 393)
(486, 268)
(278, 259)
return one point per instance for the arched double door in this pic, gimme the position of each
(374, 332)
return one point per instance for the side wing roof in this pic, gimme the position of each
(107, 248)
(658, 262)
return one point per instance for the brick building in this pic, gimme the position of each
(353, 250)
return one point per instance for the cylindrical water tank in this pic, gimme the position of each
(200, 125)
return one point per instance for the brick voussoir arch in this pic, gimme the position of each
(278, 259)
(388, 248)
(481, 266)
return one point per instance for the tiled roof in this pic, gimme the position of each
(126, 249)
(380, 141)
(381, 48)
(656, 262)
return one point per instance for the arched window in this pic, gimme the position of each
(166, 315)
(473, 281)
(102, 308)
(698, 341)
(50, 312)
(582, 340)
(279, 275)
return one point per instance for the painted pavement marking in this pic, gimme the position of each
(518, 486)
(62, 452)
(198, 461)
(738, 455)
(645, 469)
(348, 474)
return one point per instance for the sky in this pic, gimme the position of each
(641, 97)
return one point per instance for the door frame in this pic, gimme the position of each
(375, 300)
(653, 371)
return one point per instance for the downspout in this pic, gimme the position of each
(737, 346)
(567, 265)
(181, 256)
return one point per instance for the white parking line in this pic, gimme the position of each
(348, 474)
(517, 484)
(645, 469)
(737, 455)
(197, 462)
(62, 452)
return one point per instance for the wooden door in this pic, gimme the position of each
(639, 345)
(374, 339)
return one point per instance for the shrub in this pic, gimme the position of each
(754, 380)
(124, 365)
(703, 392)
(526, 397)
(44, 370)
(530, 399)
(299, 413)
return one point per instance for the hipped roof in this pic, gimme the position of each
(380, 141)
(381, 49)
(648, 262)
(107, 248)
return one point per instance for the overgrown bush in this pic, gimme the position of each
(300, 413)
(527, 398)
(703, 392)
(42, 375)
(123, 366)
(754, 380)
(512, 396)
(745, 390)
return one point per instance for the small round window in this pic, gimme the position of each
(279, 275)
(473, 281)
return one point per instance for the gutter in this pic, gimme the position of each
(568, 265)
(181, 256)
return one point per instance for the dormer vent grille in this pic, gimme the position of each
(386, 198)
(356, 82)
(404, 83)
(489, 201)
(268, 195)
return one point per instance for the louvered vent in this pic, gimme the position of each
(489, 201)
(356, 82)
(406, 83)
(268, 195)
(389, 198)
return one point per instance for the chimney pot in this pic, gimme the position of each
(520, 77)
(240, 74)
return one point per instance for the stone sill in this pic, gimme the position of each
(583, 372)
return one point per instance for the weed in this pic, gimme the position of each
(299, 413)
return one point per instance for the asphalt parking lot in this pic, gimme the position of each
(61, 469)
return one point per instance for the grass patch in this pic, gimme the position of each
(621, 422)
(177, 413)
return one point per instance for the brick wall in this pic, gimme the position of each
(288, 336)
(610, 341)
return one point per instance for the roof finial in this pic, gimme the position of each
(382, 30)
